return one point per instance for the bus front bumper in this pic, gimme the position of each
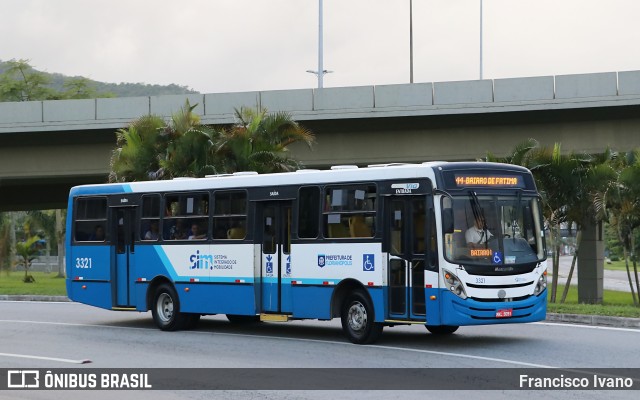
(460, 312)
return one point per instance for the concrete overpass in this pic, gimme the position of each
(48, 146)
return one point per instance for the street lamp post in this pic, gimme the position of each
(321, 71)
(410, 41)
(480, 39)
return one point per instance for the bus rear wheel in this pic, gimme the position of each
(357, 319)
(166, 309)
(442, 329)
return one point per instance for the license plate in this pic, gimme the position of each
(504, 313)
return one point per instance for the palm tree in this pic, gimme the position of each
(573, 188)
(51, 223)
(626, 212)
(595, 177)
(150, 149)
(139, 148)
(190, 146)
(550, 170)
(5, 243)
(27, 251)
(520, 155)
(259, 142)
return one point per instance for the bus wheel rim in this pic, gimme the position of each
(165, 307)
(357, 317)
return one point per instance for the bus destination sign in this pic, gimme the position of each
(463, 180)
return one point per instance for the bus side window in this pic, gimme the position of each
(230, 215)
(350, 212)
(150, 218)
(308, 212)
(186, 216)
(90, 220)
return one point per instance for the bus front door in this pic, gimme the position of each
(275, 234)
(123, 248)
(405, 231)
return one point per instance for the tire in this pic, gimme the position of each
(243, 319)
(166, 309)
(442, 329)
(358, 319)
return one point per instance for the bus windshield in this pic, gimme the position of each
(492, 230)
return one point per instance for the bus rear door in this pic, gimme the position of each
(274, 232)
(123, 249)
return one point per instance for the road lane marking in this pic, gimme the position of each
(71, 324)
(31, 302)
(394, 348)
(446, 353)
(604, 328)
(64, 360)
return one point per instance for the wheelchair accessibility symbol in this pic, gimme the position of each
(269, 265)
(368, 263)
(497, 257)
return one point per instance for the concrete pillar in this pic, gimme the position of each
(591, 265)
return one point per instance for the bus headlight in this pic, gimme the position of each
(454, 284)
(541, 285)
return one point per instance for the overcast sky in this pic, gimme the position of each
(242, 45)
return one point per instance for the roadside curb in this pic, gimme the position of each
(30, 297)
(597, 320)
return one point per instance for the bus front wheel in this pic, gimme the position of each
(166, 309)
(442, 329)
(358, 319)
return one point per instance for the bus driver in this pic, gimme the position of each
(478, 235)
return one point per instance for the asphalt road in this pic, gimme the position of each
(613, 280)
(60, 335)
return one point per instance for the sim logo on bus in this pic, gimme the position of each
(201, 261)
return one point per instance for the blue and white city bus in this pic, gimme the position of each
(379, 246)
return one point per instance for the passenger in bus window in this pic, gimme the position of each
(478, 235)
(178, 231)
(153, 232)
(97, 235)
(197, 232)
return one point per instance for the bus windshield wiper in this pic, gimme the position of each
(516, 218)
(478, 214)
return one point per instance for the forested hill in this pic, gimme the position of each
(57, 81)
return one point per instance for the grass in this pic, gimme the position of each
(46, 284)
(615, 304)
(620, 266)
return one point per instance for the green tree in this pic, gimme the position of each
(551, 172)
(190, 146)
(139, 148)
(594, 178)
(259, 142)
(151, 149)
(20, 82)
(625, 218)
(5, 243)
(27, 251)
(81, 88)
(51, 223)
(573, 189)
